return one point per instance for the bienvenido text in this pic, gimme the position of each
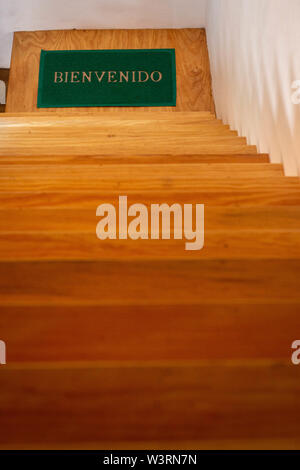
(108, 76)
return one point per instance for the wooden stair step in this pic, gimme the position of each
(70, 234)
(163, 282)
(135, 171)
(127, 184)
(221, 245)
(79, 220)
(127, 126)
(251, 194)
(91, 116)
(147, 401)
(212, 131)
(183, 332)
(100, 160)
(34, 145)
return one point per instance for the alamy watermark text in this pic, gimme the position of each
(187, 222)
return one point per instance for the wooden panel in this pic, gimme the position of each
(206, 331)
(193, 72)
(164, 283)
(85, 402)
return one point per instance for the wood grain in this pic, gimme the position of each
(205, 444)
(78, 220)
(194, 91)
(137, 113)
(99, 160)
(87, 402)
(251, 194)
(164, 282)
(70, 234)
(222, 245)
(208, 332)
(136, 170)
(125, 185)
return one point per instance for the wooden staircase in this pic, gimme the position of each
(141, 344)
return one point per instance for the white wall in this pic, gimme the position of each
(254, 50)
(18, 15)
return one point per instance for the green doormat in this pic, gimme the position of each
(127, 77)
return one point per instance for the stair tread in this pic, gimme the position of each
(251, 194)
(147, 401)
(129, 159)
(83, 220)
(164, 282)
(127, 185)
(69, 234)
(158, 334)
(229, 245)
(91, 115)
(141, 170)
